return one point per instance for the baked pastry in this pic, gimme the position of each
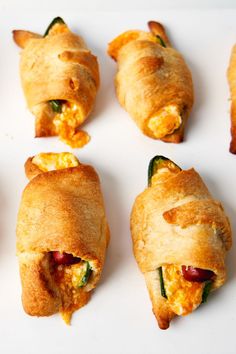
(60, 79)
(180, 239)
(153, 82)
(62, 235)
(232, 84)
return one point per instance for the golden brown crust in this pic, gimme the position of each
(40, 296)
(160, 307)
(31, 170)
(44, 124)
(72, 199)
(21, 38)
(56, 67)
(233, 127)
(232, 84)
(86, 60)
(201, 212)
(177, 222)
(158, 29)
(60, 211)
(149, 78)
(123, 39)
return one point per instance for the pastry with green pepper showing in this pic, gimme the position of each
(180, 239)
(62, 235)
(60, 79)
(153, 82)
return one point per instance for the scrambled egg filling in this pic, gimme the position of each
(166, 122)
(55, 161)
(67, 123)
(183, 296)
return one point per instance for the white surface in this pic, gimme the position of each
(111, 5)
(118, 319)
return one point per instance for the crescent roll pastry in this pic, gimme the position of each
(180, 239)
(232, 84)
(62, 235)
(60, 79)
(153, 82)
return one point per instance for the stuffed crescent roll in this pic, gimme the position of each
(60, 79)
(62, 235)
(232, 84)
(180, 239)
(153, 82)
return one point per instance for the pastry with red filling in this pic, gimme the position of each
(62, 235)
(180, 239)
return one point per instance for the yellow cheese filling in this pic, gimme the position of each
(67, 123)
(165, 122)
(55, 161)
(183, 296)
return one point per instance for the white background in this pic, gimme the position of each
(118, 319)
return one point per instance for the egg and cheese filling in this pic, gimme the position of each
(165, 122)
(183, 296)
(67, 123)
(70, 278)
(55, 161)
